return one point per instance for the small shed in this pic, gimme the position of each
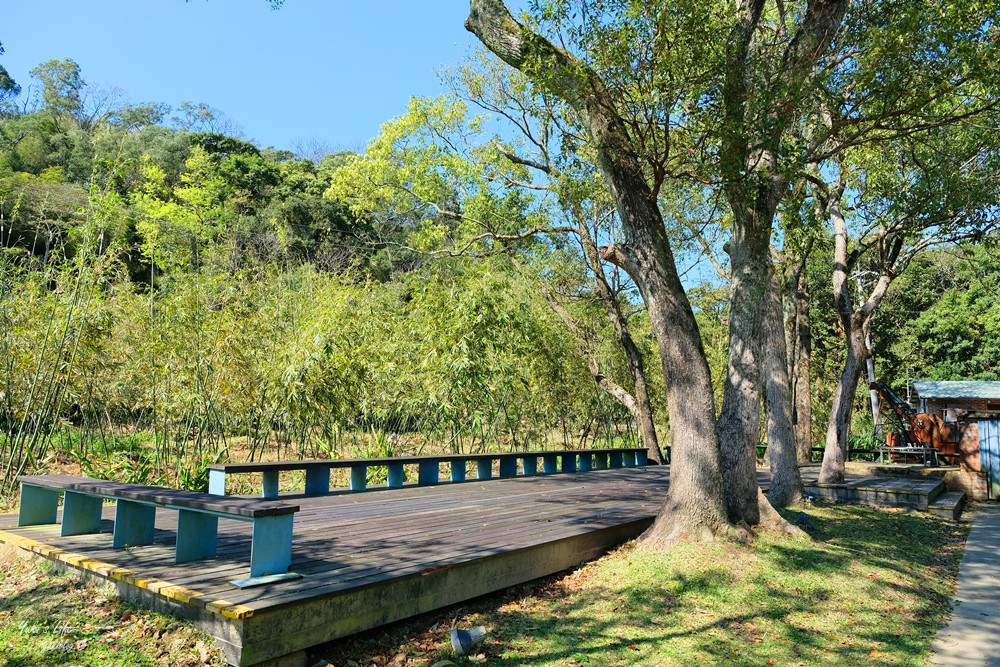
(959, 400)
(971, 410)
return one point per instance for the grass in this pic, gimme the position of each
(872, 588)
(51, 619)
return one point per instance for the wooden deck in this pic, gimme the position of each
(370, 558)
(367, 559)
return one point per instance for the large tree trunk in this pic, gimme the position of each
(739, 418)
(786, 481)
(838, 429)
(801, 391)
(694, 507)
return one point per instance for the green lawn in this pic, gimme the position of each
(51, 619)
(872, 588)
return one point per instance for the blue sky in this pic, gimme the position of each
(326, 70)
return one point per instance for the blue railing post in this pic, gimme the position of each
(197, 536)
(529, 466)
(81, 514)
(569, 463)
(642, 458)
(616, 459)
(427, 473)
(270, 484)
(133, 524)
(359, 477)
(317, 481)
(38, 505)
(484, 469)
(271, 545)
(458, 470)
(586, 462)
(508, 466)
(394, 475)
(550, 464)
(217, 482)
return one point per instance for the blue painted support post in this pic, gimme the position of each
(359, 477)
(484, 469)
(615, 459)
(458, 470)
(217, 482)
(271, 548)
(38, 505)
(601, 460)
(508, 467)
(628, 459)
(270, 484)
(586, 462)
(569, 463)
(197, 536)
(395, 476)
(529, 466)
(427, 473)
(81, 514)
(133, 524)
(317, 481)
(550, 464)
(642, 458)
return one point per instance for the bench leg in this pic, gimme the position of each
(270, 484)
(81, 514)
(549, 464)
(271, 550)
(458, 470)
(427, 473)
(529, 466)
(395, 475)
(484, 469)
(197, 536)
(616, 459)
(586, 462)
(317, 481)
(642, 458)
(38, 505)
(569, 463)
(359, 477)
(133, 524)
(217, 482)
(508, 466)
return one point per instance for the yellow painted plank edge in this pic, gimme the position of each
(131, 577)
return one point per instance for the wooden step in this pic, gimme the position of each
(948, 505)
(879, 492)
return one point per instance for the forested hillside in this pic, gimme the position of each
(172, 294)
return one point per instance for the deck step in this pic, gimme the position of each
(948, 505)
(879, 492)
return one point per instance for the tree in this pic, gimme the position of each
(695, 504)
(906, 196)
(8, 87)
(62, 86)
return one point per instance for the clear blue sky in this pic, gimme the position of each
(332, 70)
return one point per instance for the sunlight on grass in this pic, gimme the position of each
(871, 588)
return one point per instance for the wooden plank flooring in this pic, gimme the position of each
(348, 540)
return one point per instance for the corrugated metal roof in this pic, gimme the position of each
(957, 389)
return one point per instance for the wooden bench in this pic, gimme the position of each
(135, 512)
(428, 467)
